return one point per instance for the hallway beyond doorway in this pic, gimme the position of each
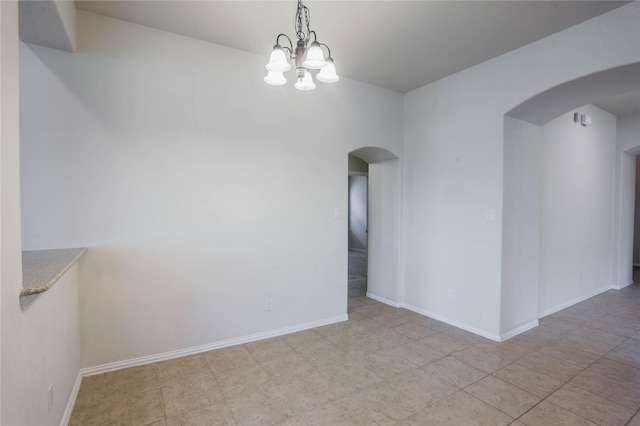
(357, 273)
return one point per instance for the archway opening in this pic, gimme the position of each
(534, 216)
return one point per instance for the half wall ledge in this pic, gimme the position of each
(42, 268)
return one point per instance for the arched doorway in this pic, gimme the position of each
(383, 224)
(522, 201)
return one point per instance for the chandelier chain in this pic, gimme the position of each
(302, 14)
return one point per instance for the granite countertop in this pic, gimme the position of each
(42, 268)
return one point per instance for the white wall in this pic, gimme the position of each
(636, 238)
(358, 212)
(628, 146)
(578, 170)
(384, 231)
(521, 226)
(40, 344)
(188, 179)
(453, 164)
(10, 250)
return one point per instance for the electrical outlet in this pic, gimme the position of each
(50, 397)
(450, 294)
(268, 305)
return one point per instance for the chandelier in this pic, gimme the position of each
(307, 56)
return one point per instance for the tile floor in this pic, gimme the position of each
(388, 366)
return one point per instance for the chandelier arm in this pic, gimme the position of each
(328, 50)
(290, 48)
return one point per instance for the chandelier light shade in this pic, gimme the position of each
(328, 73)
(308, 55)
(305, 82)
(275, 78)
(278, 61)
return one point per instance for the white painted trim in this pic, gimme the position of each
(518, 330)
(383, 300)
(573, 302)
(71, 402)
(620, 287)
(118, 365)
(471, 329)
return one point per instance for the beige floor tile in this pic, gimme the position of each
(268, 350)
(416, 353)
(421, 384)
(569, 353)
(635, 421)
(503, 396)
(534, 339)
(459, 409)
(291, 365)
(196, 394)
(365, 325)
(383, 404)
(391, 319)
(590, 406)
(242, 380)
(129, 381)
(547, 414)
(214, 415)
(482, 359)
(381, 368)
(336, 414)
(625, 356)
(259, 408)
(550, 366)
(389, 338)
(616, 370)
(181, 369)
(588, 345)
(414, 330)
(532, 381)
(225, 360)
(388, 367)
(141, 408)
(305, 340)
(465, 336)
(455, 372)
(598, 336)
(622, 392)
(631, 345)
(445, 343)
(432, 323)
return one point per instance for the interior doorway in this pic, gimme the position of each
(358, 227)
(636, 225)
(374, 227)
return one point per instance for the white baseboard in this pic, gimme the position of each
(573, 302)
(469, 328)
(621, 286)
(66, 416)
(514, 332)
(113, 366)
(383, 300)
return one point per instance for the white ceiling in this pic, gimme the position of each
(627, 103)
(398, 45)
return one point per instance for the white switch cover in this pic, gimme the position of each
(336, 213)
(489, 214)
